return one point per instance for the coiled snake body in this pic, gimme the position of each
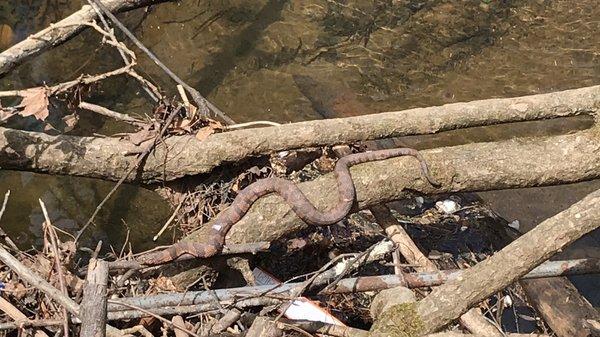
(303, 208)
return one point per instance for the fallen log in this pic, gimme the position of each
(447, 302)
(106, 157)
(471, 167)
(93, 304)
(61, 32)
(562, 307)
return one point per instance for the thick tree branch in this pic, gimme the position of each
(60, 32)
(104, 157)
(446, 302)
(471, 167)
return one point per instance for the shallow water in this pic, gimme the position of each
(307, 59)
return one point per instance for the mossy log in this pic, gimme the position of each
(446, 302)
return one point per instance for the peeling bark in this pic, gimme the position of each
(104, 157)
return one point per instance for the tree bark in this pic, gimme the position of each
(471, 167)
(446, 302)
(106, 157)
(60, 32)
(561, 306)
(38, 282)
(94, 303)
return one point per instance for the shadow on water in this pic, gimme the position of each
(237, 46)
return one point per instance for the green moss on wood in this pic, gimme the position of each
(400, 320)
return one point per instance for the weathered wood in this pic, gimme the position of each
(264, 327)
(60, 32)
(473, 320)
(185, 155)
(561, 306)
(17, 315)
(470, 167)
(445, 303)
(38, 282)
(94, 302)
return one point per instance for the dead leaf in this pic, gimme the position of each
(35, 103)
(183, 126)
(165, 284)
(203, 133)
(6, 114)
(141, 136)
(16, 289)
(215, 124)
(70, 121)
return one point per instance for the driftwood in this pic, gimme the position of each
(445, 303)
(93, 304)
(473, 320)
(562, 307)
(471, 167)
(60, 32)
(105, 157)
(348, 285)
(38, 282)
(20, 317)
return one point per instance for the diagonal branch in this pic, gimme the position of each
(60, 32)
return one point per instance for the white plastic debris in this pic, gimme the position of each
(515, 225)
(447, 206)
(507, 301)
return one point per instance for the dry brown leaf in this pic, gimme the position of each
(165, 284)
(35, 103)
(16, 289)
(5, 114)
(141, 136)
(183, 126)
(203, 133)
(70, 122)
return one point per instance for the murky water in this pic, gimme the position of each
(307, 59)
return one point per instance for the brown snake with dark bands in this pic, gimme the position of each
(303, 208)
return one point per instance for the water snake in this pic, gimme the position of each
(303, 208)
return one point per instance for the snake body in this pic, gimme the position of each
(290, 192)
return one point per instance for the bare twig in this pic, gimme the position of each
(141, 158)
(171, 218)
(110, 113)
(57, 34)
(61, 277)
(160, 318)
(254, 123)
(202, 103)
(2, 233)
(349, 285)
(149, 88)
(36, 281)
(20, 319)
(473, 319)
